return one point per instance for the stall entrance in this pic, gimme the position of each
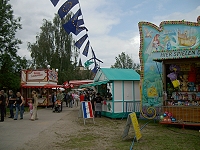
(182, 85)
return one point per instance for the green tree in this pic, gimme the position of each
(10, 62)
(126, 62)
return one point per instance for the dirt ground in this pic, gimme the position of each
(65, 131)
(70, 133)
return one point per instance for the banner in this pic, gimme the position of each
(87, 110)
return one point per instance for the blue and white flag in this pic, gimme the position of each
(66, 7)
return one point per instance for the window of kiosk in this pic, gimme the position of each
(183, 84)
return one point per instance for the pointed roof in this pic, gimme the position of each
(80, 63)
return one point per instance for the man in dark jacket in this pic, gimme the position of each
(2, 106)
(98, 105)
(11, 101)
(53, 99)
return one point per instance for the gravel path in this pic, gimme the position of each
(38, 134)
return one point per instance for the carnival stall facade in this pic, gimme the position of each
(170, 68)
(42, 81)
(120, 91)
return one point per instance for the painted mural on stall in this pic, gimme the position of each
(172, 40)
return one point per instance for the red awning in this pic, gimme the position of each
(76, 82)
(52, 86)
(41, 86)
(31, 86)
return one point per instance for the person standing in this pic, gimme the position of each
(11, 101)
(98, 105)
(19, 104)
(2, 106)
(81, 97)
(67, 98)
(60, 98)
(35, 104)
(92, 101)
(53, 99)
(70, 100)
(30, 107)
(6, 101)
(76, 99)
(87, 97)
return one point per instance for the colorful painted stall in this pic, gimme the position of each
(120, 91)
(170, 71)
(43, 81)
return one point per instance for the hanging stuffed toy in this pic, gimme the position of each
(173, 75)
(174, 68)
(184, 83)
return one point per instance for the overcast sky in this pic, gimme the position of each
(112, 24)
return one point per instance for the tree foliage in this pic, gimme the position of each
(126, 62)
(10, 62)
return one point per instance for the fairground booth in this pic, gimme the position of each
(170, 71)
(43, 81)
(119, 89)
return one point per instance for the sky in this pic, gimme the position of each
(112, 24)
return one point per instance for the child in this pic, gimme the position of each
(30, 104)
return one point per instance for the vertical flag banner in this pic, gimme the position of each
(54, 2)
(80, 22)
(80, 42)
(66, 7)
(85, 51)
(80, 28)
(87, 110)
(73, 25)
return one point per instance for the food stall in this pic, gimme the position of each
(170, 71)
(42, 81)
(119, 89)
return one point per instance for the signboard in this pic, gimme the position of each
(86, 110)
(159, 55)
(52, 75)
(132, 118)
(36, 75)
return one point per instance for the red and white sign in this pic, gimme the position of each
(36, 75)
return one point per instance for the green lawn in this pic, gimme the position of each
(154, 137)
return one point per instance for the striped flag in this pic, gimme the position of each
(54, 2)
(80, 42)
(87, 110)
(66, 7)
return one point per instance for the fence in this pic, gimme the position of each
(129, 107)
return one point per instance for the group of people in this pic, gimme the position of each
(74, 98)
(16, 102)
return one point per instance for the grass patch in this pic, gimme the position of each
(106, 134)
(79, 141)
